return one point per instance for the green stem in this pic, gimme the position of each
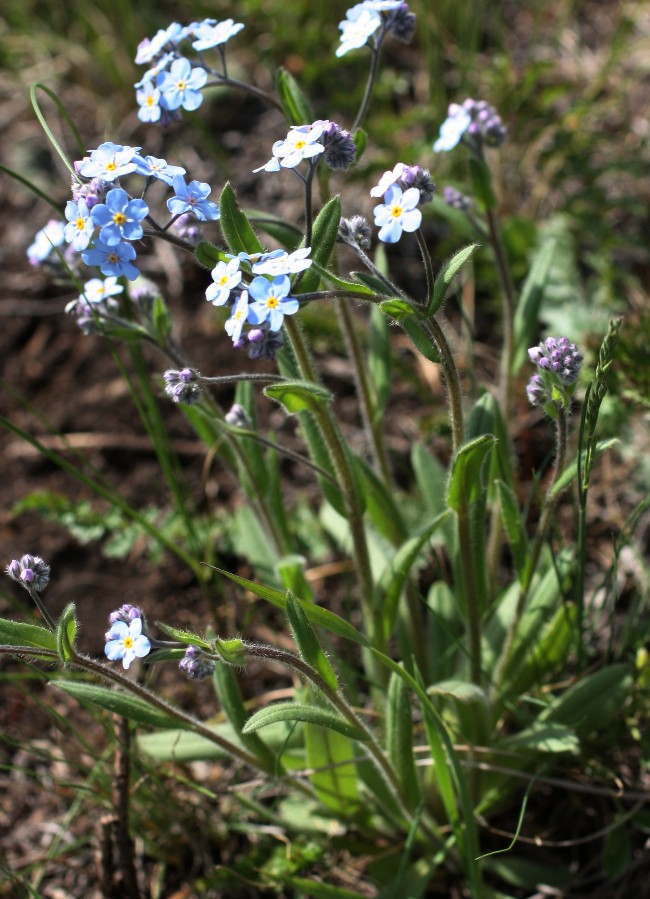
(508, 294)
(371, 425)
(545, 520)
(347, 482)
(452, 380)
(370, 83)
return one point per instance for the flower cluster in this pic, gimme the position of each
(374, 19)
(475, 123)
(558, 362)
(31, 572)
(456, 200)
(196, 664)
(104, 220)
(308, 143)
(259, 296)
(183, 386)
(173, 81)
(403, 189)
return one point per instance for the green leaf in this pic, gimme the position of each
(616, 852)
(162, 320)
(543, 737)
(297, 396)
(380, 502)
(285, 233)
(334, 777)
(307, 642)
(291, 571)
(207, 254)
(460, 690)
(399, 739)
(482, 182)
(18, 633)
(186, 746)
(119, 702)
(186, 637)
(360, 138)
(397, 309)
(294, 103)
(527, 313)
(420, 338)
(570, 473)
(379, 362)
(514, 526)
(324, 234)
(230, 698)
(235, 227)
(486, 417)
(375, 284)
(342, 283)
(594, 701)
(319, 890)
(446, 275)
(309, 714)
(317, 615)
(66, 630)
(399, 568)
(466, 483)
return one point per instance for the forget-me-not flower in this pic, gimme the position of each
(226, 276)
(148, 99)
(181, 85)
(239, 317)
(99, 289)
(52, 235)
(208, 36)
(279, 262)
(119, 217)
(126, 642)
(192, 197)
(80, 228)
(453, 128)
(112, 260)
(109, 161)
(149, 49)
(152, 167)
(272, 301)
(359, 25)
(398, 213)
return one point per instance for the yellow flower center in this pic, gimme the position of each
(128, 642)
(181, 85)
(396, 212)
(113, 257)
(223, 280)
(150, 101)
(80, 224)
(272, 302)
(111, 166)
(300, 144)
(119, 218)
(238, 314)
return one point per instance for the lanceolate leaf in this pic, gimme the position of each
(294, 103)
(310, 714)
(466, 483)
(124, 704)
(317, 615)
(298, 396)
(307, 641)
(18, 633)
(324, 234)
(446, 275)
(235, 227)
(66, 630)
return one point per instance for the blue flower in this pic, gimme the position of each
(360, 23)
(181, 85)
(239, 317)
(398, 213)
(453, 128)
(80, 228)
(119, 217)
(99, 289)
(151, 167)
(148, 99)
(52, 235)
(213, 35)
(112, 260)
(272, 301)
(127, 642)
(108, 162)
(192, 197)
(149, 49)
(279, 262)
(226, 277)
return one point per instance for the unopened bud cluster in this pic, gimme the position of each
(558, 362)
(29, 571)
(183, 386)
(196, 664)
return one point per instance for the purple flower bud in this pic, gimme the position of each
(402, 26)
(183, 386)
(196, 664)
(537, 391)
(456, 200)
(126, 613)
(340, 149)
(29, 571)
(238, 417)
